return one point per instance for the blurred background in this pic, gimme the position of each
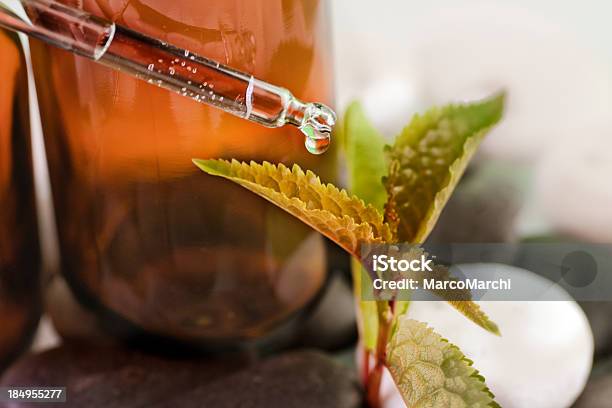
(542, 176)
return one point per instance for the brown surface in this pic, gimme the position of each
(296, 380)
(112, 376)
(116, 377)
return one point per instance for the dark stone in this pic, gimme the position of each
(597, 394)
(113, 376)
(598, 314)
(483, 208)
(332, 324)
(295, 380)
(598, 391)
(119, 377)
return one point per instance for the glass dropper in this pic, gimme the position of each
(162, 64)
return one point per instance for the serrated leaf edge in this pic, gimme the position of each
(396, 369)
(369, 226)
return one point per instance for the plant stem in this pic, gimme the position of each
(385, 317)
(373, 386)
(365, 372)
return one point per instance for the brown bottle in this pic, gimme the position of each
(19, 253)
(145, 237)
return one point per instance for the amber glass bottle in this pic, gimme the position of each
(19, 254)
(146, 236)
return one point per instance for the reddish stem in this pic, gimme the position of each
(374, 379)
(365, 372)
(373, 386)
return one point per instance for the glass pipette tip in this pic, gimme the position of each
(164, 65)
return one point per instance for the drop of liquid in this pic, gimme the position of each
(317, 126)
(317, 146)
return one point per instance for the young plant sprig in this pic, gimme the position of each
(398, 193)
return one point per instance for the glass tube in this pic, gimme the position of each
(179, 70)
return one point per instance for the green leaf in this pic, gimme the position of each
(368, 322)
(459, 299)
(343, 218)
(472, 311)
(364, 148)
(427, 161)
(431, 372)
(368, 316)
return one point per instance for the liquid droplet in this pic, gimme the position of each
(317, 126)
(317, 146)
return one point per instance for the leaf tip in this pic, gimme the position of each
(493, 328)
(496, 104)
(201, 163)
(211, 166)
